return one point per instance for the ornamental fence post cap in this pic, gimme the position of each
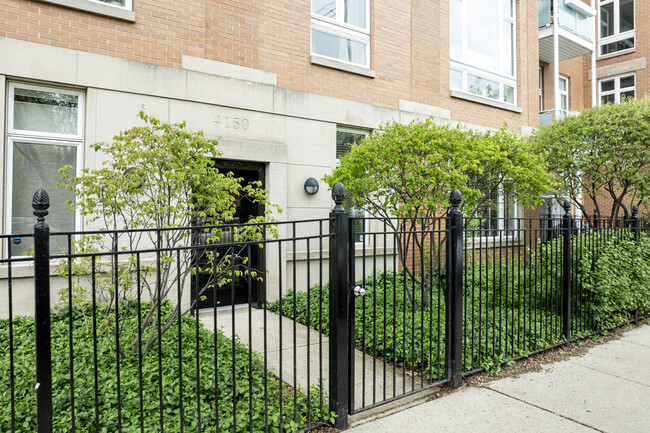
(635, 211)
(567, 206)
(338, 195)
(455, 198)
(40, 204)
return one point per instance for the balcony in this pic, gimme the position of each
(575, 29)
(548, 116)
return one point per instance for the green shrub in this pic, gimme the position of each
(216, 402)
(620, 281)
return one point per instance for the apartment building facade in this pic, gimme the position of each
(286, 86)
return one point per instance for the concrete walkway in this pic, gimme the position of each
(605, 390)
(311, 353)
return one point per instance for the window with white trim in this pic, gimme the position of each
(616, 29)
(340, 30)
(482, 48)
(614, 89)
(498, 216)
(541, 90)
(125, 4)
(564, 92)
(345, 139)
(44, 133)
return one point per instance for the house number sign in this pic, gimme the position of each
(232, 122)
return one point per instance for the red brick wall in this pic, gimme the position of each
(409, 46)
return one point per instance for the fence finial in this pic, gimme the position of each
(41, 204)
(567, 206)
(338, 195)
(455, 198)
(635, 211)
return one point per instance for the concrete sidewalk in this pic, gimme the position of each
(605, 390)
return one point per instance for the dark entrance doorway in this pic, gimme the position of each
(245, 210)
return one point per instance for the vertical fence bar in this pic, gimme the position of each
(455, 292)
(338, 309)
(41, 203)
(636, 234)
(566, 273)
(351, 313)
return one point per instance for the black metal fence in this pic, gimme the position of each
(285, 326)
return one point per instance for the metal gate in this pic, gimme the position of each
(392, 307)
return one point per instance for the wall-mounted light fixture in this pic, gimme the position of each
(311, 186)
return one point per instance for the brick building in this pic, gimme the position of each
(287, 85)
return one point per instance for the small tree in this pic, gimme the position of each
(602, 153)
(157, 181)
(403, 174)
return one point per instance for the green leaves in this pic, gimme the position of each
(178, 351)
(602, 153)
(409, 170)
(155, 176)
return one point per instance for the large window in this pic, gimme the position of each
(564, 93)
(615, 89)
(498, 216)
(340, 30)
(126, 4)
(44, 133)
(616, 30)
(482, 48)
(345, 139)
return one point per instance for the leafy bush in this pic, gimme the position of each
(216, 400)
(620, 281)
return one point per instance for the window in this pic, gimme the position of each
(44, 133)
(482, 48)
(615, 89)
(126, 4)
(340, 30)
(541, 90)
(616, 30)
(345, 139)
(498, 216)
(564, 93)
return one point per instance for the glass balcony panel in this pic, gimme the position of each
(544, 12)
(576, 21)
(567, 17)
(545, 118)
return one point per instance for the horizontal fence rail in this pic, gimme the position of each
(291, 325)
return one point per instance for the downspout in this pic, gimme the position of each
(594, 54)
(556, 58)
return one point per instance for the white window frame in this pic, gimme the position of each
(365, 240)
(37, 137)
(617, 87)
(338, 27)
(616, 35)
(465, 66)
(541, 90)
(564, 78)
(10, 112)
(500, 209)
(128, 4)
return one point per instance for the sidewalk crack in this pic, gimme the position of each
(545, 410)
(608, 374)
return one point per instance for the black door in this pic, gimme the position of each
(244, 289)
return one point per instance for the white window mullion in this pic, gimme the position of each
(332, 33)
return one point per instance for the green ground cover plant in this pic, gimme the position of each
(510, 308)
(216, 402)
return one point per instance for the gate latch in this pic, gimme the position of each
(358, 290)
